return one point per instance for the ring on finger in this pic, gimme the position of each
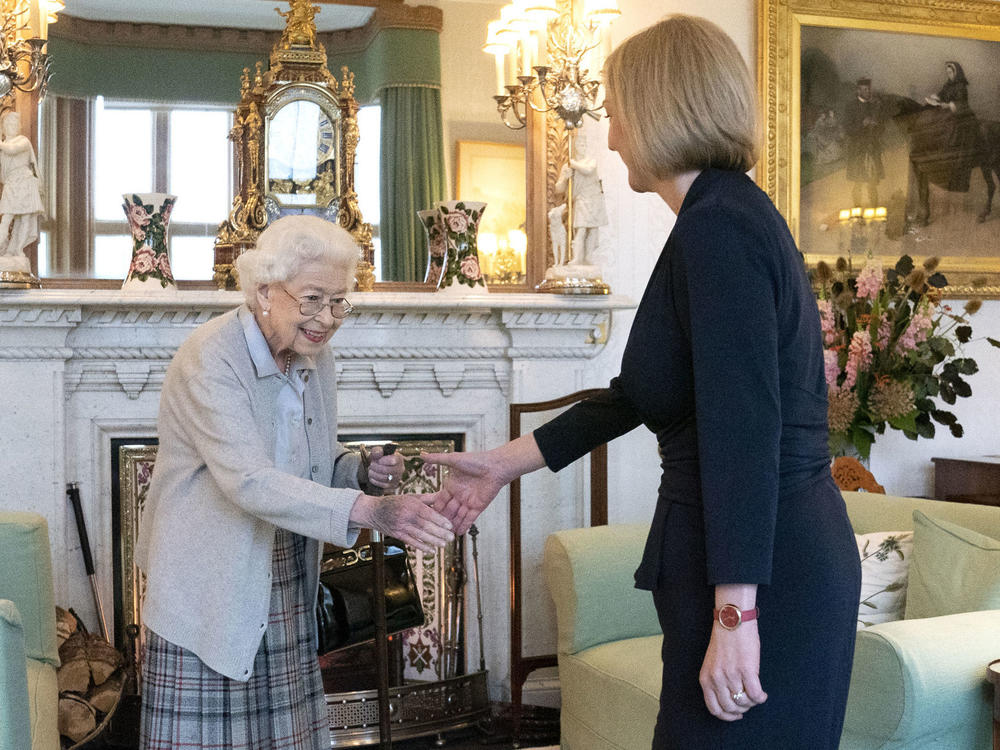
(388, 477)
(738, 697)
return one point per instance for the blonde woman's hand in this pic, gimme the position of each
(470, 486)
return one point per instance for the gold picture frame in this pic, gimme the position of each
(813, 53)
(495, 174)
(135, 463)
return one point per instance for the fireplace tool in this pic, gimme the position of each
(378, 604)
(73, 493)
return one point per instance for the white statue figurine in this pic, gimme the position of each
(557, 231)
(588, 199)
(20, 198)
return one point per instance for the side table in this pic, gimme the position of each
(993, 673)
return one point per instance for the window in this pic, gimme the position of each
(181, 150)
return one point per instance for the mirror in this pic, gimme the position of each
(467, 109)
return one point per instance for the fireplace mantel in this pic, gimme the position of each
(79, 368)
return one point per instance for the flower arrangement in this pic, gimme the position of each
(891, 348)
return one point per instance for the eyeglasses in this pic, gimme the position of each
(312, 304)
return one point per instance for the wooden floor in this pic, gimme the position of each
(539, 728)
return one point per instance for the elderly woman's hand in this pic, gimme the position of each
(385, 471)
(410, 518)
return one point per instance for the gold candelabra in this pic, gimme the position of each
(23, 35)
(861, 231)
(571, 43)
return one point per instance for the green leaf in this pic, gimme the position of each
(963, 334)
(947, 394)
(962, 389)
(956, 430)
(943, 417)
(993, 342)
(966, 366)
(925, 428)
(894, 586)
(867, 603)
(937, 280)
(904, 265)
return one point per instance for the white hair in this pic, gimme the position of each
(288, 244)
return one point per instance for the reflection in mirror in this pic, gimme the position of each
(302, 156)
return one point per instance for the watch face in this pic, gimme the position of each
(729, 617)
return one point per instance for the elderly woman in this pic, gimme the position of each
(249, 481)
(750, 558)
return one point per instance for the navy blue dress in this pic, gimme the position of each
(724, 364)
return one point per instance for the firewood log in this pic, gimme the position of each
(104, 659)
(65, 625)
(77, 718)
(103, 697)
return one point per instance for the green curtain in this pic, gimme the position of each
(412, 176)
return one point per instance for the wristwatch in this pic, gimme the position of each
(731, 617)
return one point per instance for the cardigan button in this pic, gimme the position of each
(309, 421)
(315, 469)
(306, 377)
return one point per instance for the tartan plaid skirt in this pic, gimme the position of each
(281, 707)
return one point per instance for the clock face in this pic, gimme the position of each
(729, 617)
(326, 138)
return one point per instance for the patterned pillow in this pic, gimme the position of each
(885, 560)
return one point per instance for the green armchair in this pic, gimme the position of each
(29, 656)
(918, 683)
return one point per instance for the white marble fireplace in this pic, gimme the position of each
(80, 368)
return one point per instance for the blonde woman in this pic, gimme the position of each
(750, 558)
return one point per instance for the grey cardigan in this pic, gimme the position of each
(206, 533)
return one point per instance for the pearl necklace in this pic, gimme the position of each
(288, 363)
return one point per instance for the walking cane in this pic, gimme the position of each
(73, 493)
(381, 636)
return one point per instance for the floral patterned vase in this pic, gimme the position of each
(437, 247)
(460, 222)
(148, 215)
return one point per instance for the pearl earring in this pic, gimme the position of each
(265, 313)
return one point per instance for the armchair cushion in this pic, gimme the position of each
(589, 573)
(27, 581)
(954, 569)
(922, 683)
(14, 722)
(597, 697)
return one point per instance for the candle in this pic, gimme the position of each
(498, 56)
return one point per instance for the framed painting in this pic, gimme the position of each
(882, 131)
(495, 173)
(132, 469)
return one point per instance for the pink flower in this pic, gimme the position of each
(163, 263)
(457, 221)
(859, 357)
(137, 215)
(826, 321)
(470, 267)
(884, 329)
(830, 367)
(167, 209)
(870, 281)
(916, 331)
(143, 262)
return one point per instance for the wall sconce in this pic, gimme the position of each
(863, 228)
(23, 35)
(530, 31)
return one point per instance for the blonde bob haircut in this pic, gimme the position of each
(289, 244)
(686, 98)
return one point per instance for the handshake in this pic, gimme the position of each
(430, 520)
